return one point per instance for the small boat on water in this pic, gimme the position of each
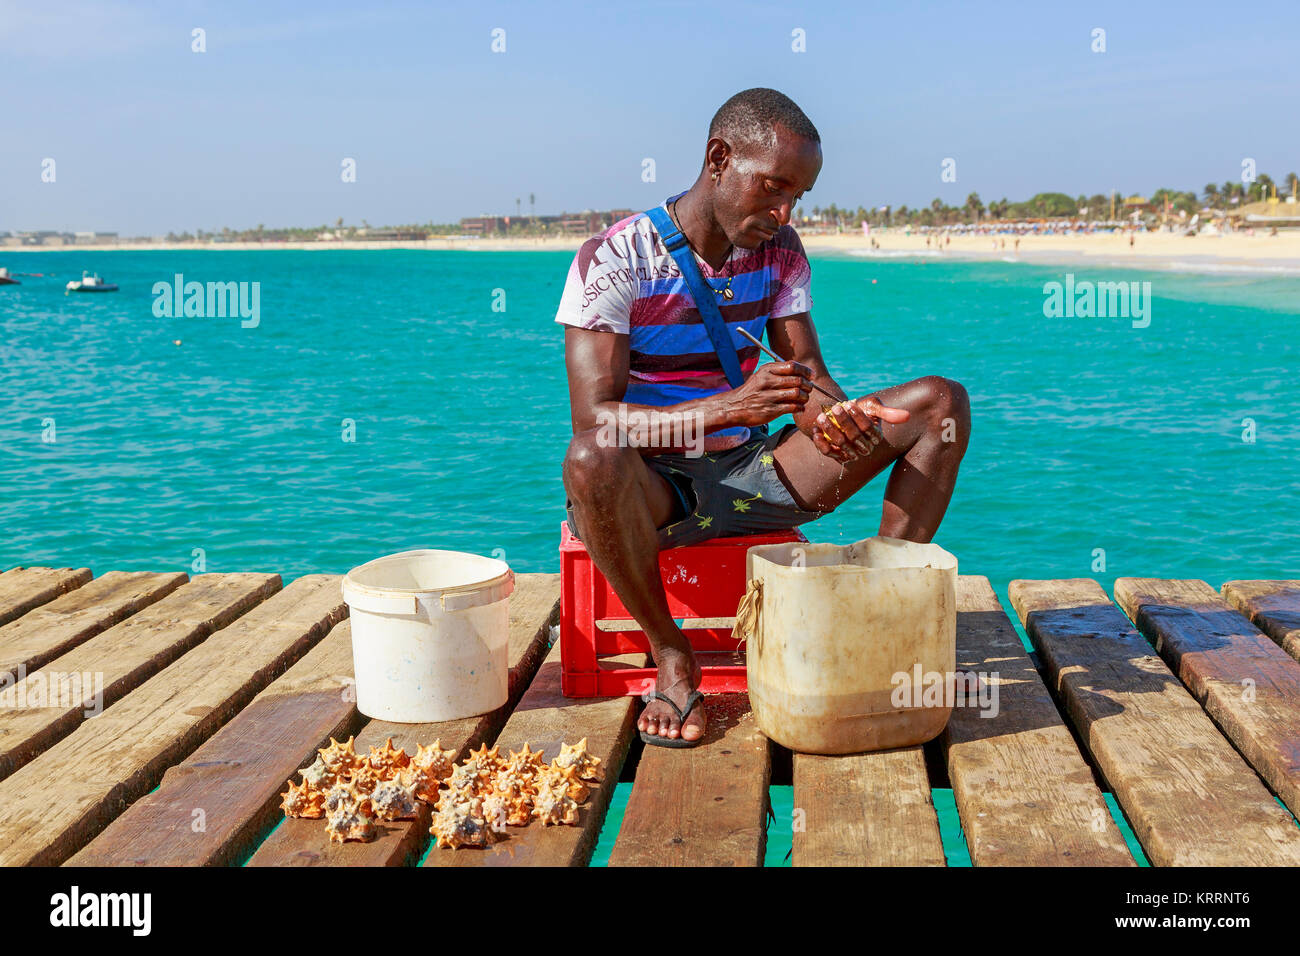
(6, 280)
(91, 282)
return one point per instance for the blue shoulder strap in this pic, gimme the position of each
(704, 295)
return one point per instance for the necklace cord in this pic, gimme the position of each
(725, 291)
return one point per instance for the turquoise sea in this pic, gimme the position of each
(1090, 435)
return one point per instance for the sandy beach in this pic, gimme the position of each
(1151, 250)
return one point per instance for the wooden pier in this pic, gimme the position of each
(153, 719)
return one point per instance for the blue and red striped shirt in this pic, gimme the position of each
(624, 281)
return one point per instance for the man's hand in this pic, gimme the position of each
(775, 389)
(849, 430)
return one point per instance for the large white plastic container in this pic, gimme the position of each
(430, 633)
(838, 637)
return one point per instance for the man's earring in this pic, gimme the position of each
(716, 176)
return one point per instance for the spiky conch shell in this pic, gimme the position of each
(348, 814)
(499, 810)
(345, 795)
(577, 756)
(490, 761)
(388, 760)
(434, 760)
(467, 776)
(350, 823)
(422, 782)
(392, 800)
(553, 806)
(318, 777)
(456, 824)
(363, 779)
(339, 758)
(525, 762)
(516, 796)
(303, 801)
(563, 777)
(513, 783)
(469, 797)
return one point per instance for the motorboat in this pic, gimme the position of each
(6, 280)
(91, 282)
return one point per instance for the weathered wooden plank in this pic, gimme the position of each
(215, 805)
(1272, 606)
(545, 718)
(1248, 684)
(702, 806)
(869, 809)
(534, 608)
(1190, 797)
(1025, 794)
(37, 712)
(22, 589)
(44, 633)
(54, 805)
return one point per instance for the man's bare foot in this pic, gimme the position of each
(677, 677)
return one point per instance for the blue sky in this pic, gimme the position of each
(149, 136)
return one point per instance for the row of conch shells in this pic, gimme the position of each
(351, 791)
(485, 793)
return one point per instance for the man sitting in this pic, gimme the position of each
(635, 343)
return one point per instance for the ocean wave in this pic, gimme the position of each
(1232, 268)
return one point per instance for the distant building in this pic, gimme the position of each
(48, 237)
(1137, 204)
(485, 225)
(389, 235)
(1266, 213)
(585, 223)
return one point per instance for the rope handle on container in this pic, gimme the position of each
(747, 614)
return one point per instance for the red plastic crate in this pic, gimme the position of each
(705, 580)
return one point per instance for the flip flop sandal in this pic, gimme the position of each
(654, 740)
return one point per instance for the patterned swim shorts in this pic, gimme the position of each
(726, 493)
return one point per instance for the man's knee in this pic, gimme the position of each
(592, 464)
(949, 406)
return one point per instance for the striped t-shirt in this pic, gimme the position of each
(624, 281)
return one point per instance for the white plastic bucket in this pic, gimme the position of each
(430, 633)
